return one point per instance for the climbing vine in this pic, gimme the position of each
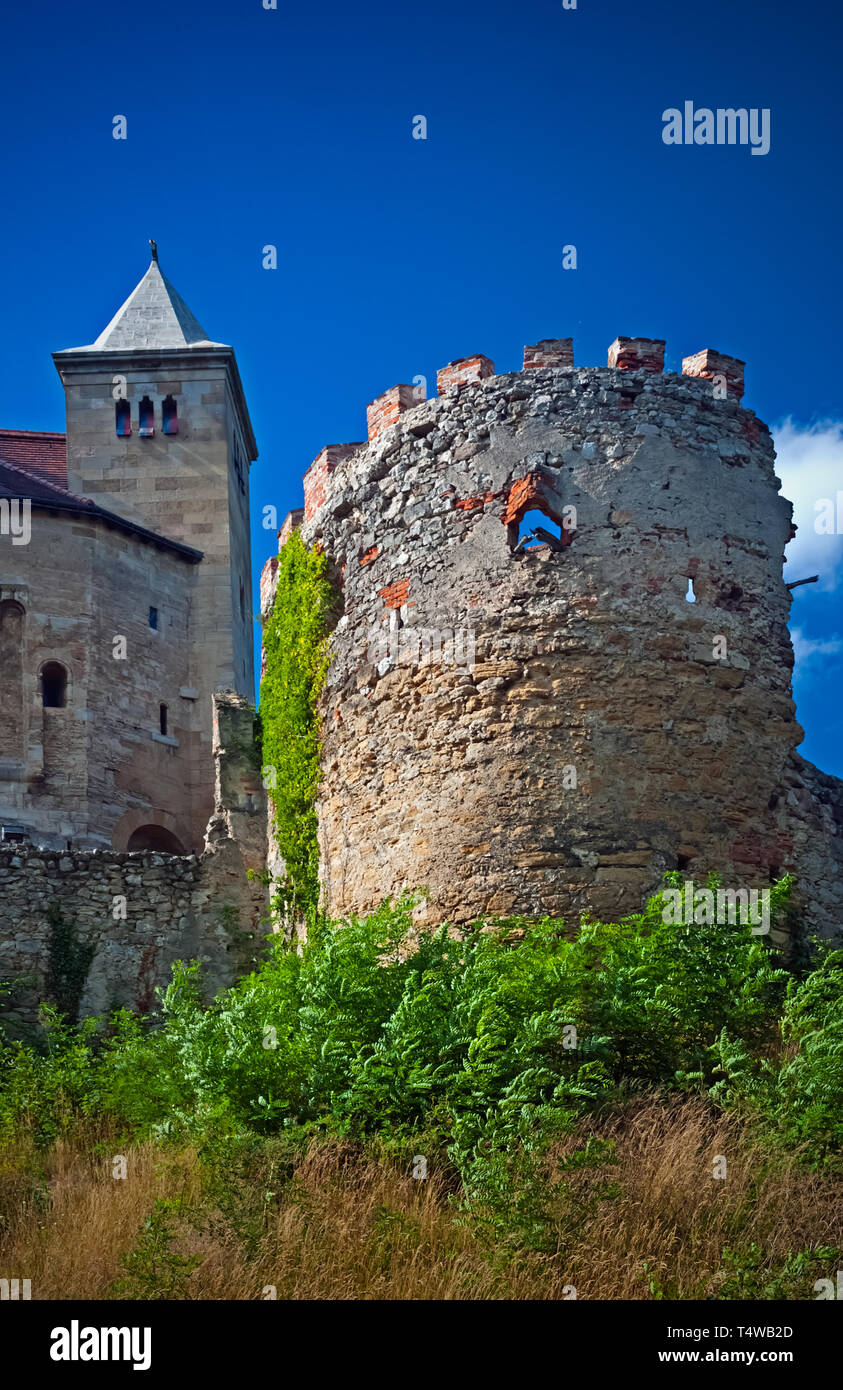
(68, 962)
(296, 660)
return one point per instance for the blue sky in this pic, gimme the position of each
(292, 127)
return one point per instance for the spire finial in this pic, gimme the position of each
(154, 247)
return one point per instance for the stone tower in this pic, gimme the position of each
(131, 605)
(158, 431)
(543, 722)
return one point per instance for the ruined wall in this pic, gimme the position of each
(176, 907)
(605, 728)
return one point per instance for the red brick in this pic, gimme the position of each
(464, 370)
(470, 504)
(42, 453)
(637, 354)
(317, 476)
(709, 363)
(549, 352)
(385, 411)
(395, 595)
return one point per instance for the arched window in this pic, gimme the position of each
(53, 685)
(169, 416)
(123, 418)
(146, 418)
(535, 517)
(537, 528)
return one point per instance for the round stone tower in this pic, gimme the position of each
(541, 714)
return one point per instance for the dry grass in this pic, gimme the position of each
(678, 1218)
(347, 1226)
(354, 1228)
(67, 1221)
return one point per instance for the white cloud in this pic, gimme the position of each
(810, 464)
(810, 649)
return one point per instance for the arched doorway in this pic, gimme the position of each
(155, 837)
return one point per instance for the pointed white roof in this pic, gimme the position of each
(154, 316)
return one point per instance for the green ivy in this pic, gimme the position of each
(296, 660)
(69, 960)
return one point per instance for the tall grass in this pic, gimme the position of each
(646, 1109)
(334, 1219)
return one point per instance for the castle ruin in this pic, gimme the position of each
(616, 697)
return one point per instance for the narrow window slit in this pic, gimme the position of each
(123, 418)
(53, 685)
(169, 416)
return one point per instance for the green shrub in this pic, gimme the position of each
(296, 660)
(480, 1050)
(800, 1092)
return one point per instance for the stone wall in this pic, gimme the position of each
(191, 487)
(98, 768)
(143, 911)
(597, 728)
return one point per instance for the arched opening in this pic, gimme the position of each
(169, 416)
(123, 418)
(535, 517)
(536, 528)
(155, 837)
(146, 418)
(53, 685)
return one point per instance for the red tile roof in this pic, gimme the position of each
(21, 483)
(39, 452)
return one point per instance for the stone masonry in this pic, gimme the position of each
(134, 586)
(603, 728)
(189, 907)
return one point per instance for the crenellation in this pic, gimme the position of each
(677, 716)
(549, 352)
(383, 412)
(463, 372)
(716, 366)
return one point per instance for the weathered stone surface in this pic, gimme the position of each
(588, 658)
(172, 536)
(176, 907)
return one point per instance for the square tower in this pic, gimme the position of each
(158, 432)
